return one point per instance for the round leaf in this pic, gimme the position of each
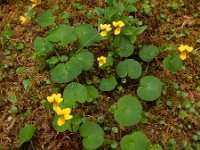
(42, 46)
(61, 35)
(135, 141)
(92, 93)
(75, 92)
(148, 52)
(128, 111)
(93, 135)
(130, 68)
(86, 34)
(46, 18)
(108, 84)
(59, 73)
(26, 134)
(150, 88)
(172, 63)
(86, 57)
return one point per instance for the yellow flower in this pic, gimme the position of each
(35, 3)
(56, 99)
(105, 28)
(24, 20)
(183, 55)
(183, 51)
(118, 25)
(64, 115)
(101, 60)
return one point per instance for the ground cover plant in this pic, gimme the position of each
(99, 75)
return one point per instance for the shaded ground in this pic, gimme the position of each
(159, 30)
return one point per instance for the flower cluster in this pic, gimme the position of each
(64, 114)
(105, 28)
(184, 49)
(101, 60)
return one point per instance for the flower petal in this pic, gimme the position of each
(68, 117)
(117, 31)
(183, 55)
(66, 111)
(61, 121)
(103, 33)
(50, 99)
(58, 110)
(121, 23)
(115, 24)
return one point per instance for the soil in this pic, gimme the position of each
(45, 137)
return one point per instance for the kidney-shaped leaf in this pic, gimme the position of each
(46, 18)
(59, 73)
(148, 52)
(129, 67)
(128, 111)
(62, 34)
(42, 45)
(93, 135)
(150, 88)
(86, 34)
(75, 92)
(108, 84)
(26, 134)
(172, 63)
(86, 57)
(135, 141)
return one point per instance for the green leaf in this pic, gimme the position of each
(74, 68)
(108, 84)
(62, 128)
(128, 111)
(138, 30)
(129, 67)
(26, 134)
(20, 45)
(62, 34)
(42, 46)
(130, 1)
(59, 73)
(135, 141)
(13, 99)
(110, 11)
(99, 11)
(130, 8)
(123, 46)
(150, 88)
(27, 84)
(63, 73)
(172, 63)
(46, 18)
(20, 70)
(75, 92)
(86, 57)
(52, 61)
(148, 52)
(92, 93)
(93, 135)
(86, 35)
(7, 32)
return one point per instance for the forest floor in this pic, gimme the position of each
(171, 23)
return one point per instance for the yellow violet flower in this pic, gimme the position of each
(118, 25)
(184, 49)
(56, 99)
(101, 60)
(35, 3)
(105, 28)
(24, 20)
(64, 115)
